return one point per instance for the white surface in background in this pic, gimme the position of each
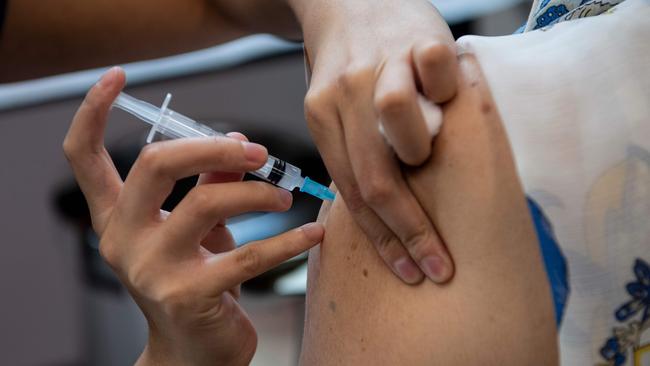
(73, 84)
(294, 283)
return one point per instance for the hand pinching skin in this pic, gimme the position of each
(382, 63)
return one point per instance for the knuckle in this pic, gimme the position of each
(199, 200)
(353, 198)
(435, 53)
(228, 149)
(69, 148)
(248, 259)
(108, 251)
(317, 106)
(137, 276)
(150, 158)
(394, 101)
(376, 190)
(386, 246)
(417, 241)
(91, 103)
(356, 75)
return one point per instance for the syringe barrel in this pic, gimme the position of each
(276, 171)
(176, 125)
(280, 173)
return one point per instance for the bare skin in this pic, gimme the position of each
(496, 311)
(41, 38)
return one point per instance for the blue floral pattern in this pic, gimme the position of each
(626, 338)
(552, 14)
(611, 352)
(546, 13)
(640, 292)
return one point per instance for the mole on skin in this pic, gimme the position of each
(486, 108)
(365, 272)
(332, 305)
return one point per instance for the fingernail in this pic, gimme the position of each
(237, 135)
(255, 153)
(314, 231)
(435, 268)
(107, 75)
(407, 270)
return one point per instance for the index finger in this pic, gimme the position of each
(227, 270)
(84, 148)
(161, 164)
(384, 189)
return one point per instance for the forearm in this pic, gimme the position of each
(46, 37)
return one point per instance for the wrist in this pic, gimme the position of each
(304, 10)
(181, 350)
(150, 358)
(259, 16)
(299, 8)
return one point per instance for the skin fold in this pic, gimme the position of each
(497, 310)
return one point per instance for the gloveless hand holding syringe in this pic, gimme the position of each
(175, 125)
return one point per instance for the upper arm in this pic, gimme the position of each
(41, 38)
(497, 309)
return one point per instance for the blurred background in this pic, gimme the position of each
(59, 303)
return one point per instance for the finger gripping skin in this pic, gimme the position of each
(318, 106)
(353, 198)
(386, 245)
(437, 66)
(435, 54)
(417, 241)
(356, 77)
(376, 190)
(394, 101)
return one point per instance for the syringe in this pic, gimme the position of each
(175, 125)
